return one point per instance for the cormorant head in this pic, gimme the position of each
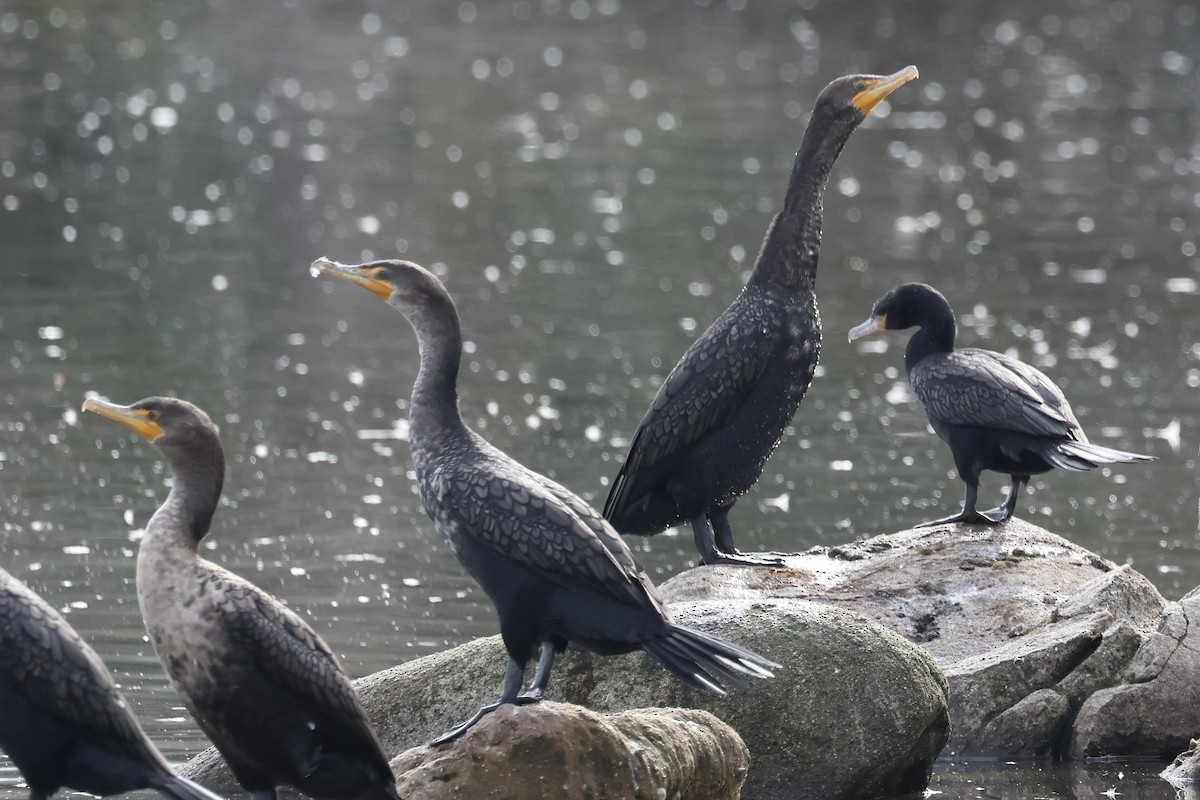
(909, 305)
(402, 284)
(188, 441)
(165, 421)
(848, 100)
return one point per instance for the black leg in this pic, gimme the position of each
(1003, 512)
(263, 794)
(703, 533)
(541, 678)
(969, 515)
(513, 675)
(717, 547)
(719, 519)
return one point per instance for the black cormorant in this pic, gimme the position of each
(261, 684)
(63, 722)
(992, 411)
(554, 568)
(723, 409)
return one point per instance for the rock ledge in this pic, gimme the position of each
(557, 750)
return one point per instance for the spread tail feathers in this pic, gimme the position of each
(1082, 456)
(701, 660)
(179, 788)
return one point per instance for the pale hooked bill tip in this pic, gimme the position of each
(864, 329)
(320, 265)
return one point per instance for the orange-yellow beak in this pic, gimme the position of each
(137, 420)
(879, 88)
(357, 275)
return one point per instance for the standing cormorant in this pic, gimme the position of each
(554, 568)
(261, 684)
(992, 411)
(63, 721)
(723, 409)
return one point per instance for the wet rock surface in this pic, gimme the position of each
(1184, 771)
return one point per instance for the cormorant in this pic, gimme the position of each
(992, 411)
(554, 568)
(63, 721)
(264, 687)
(723, 409)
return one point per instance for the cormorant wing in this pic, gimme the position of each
(608, 537)
(705, 389)
(973, 387)
(1047, 389)
(287, 653)
(60, 674)
(529, 519)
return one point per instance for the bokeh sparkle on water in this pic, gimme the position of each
(592, 180)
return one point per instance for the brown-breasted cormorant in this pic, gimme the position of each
(63, 721)
(993, 411)
(723, 409)
(556, 571)
(261, 684)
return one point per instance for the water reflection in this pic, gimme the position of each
(592, 179)
(1132, 781)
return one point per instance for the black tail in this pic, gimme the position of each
(1082, 456)
(179, 788)
(705, 661)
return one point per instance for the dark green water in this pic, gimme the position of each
(592, 179)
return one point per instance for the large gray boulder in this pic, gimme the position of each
(558, 750)
(1027, 626)
(855, 711)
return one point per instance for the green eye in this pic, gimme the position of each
(860, 86)
(151, 415)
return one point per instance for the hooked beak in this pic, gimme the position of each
(873, 325)
(879, 88)
(356, 275)
(136, 419)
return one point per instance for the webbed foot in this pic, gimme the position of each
(998, 514)
(993, 517)
(767, 559)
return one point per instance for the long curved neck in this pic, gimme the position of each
(935, 336)
(789, 253)
(434, 414)
(198, 473)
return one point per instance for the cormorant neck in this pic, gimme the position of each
(936, 335)
(789, 253)
(433, 414)
(198, 473)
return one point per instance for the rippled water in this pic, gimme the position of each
(592, 179)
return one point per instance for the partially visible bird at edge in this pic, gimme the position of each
(555, 570)
(993, 411)
(723, 409)
(63, 721)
